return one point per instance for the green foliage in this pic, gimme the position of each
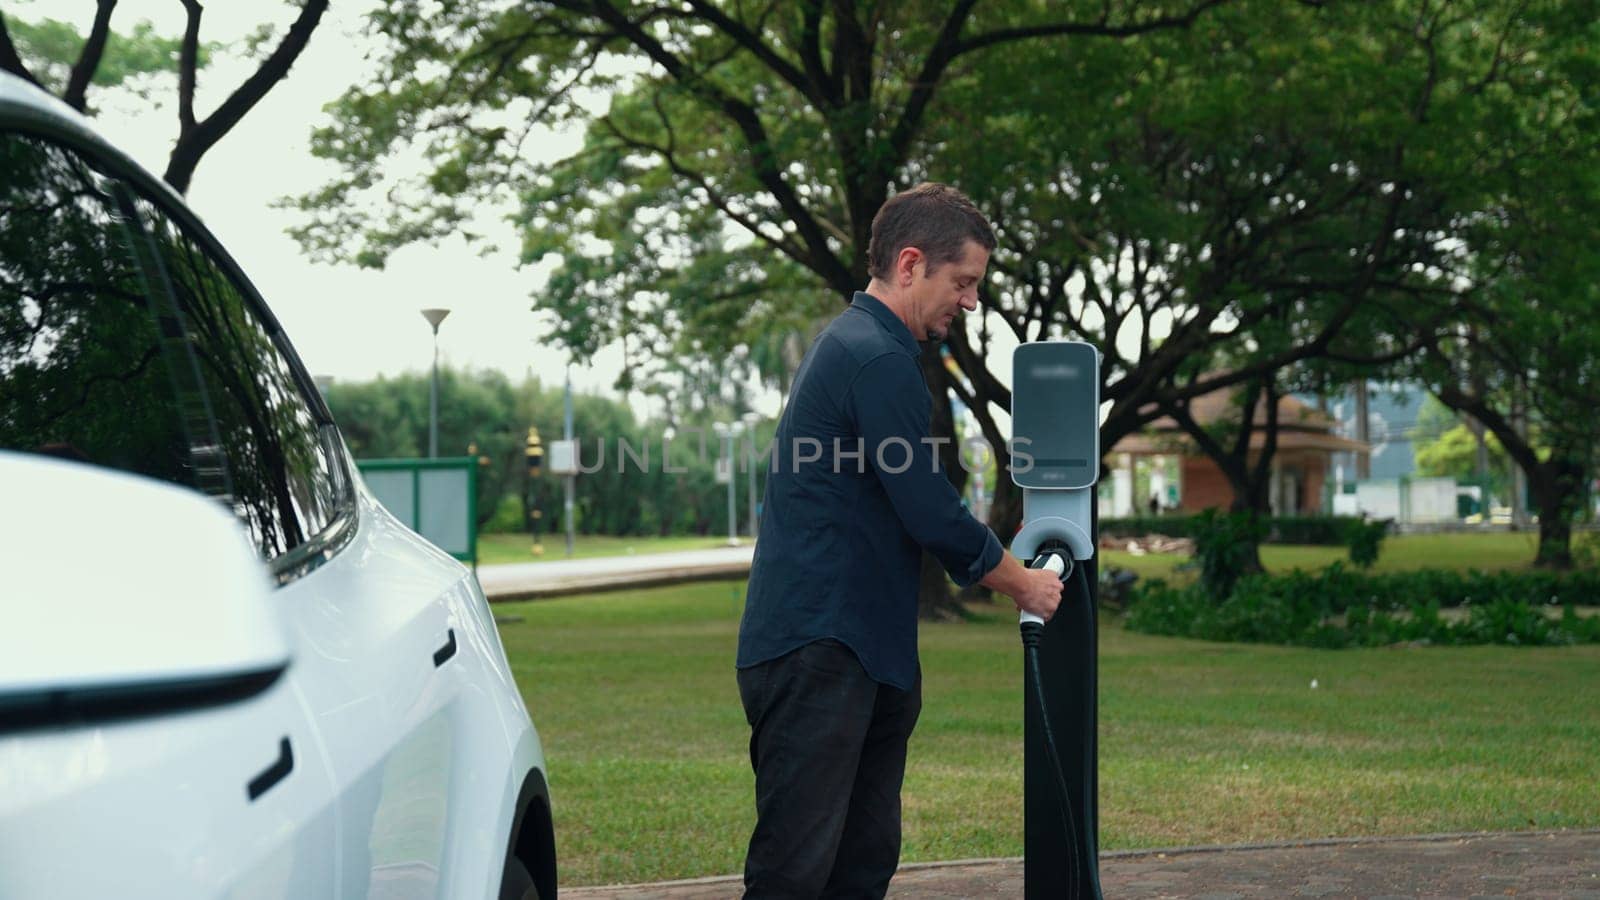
(1328, 531)
(1269, 184)
(1365, 539)
(50, 47)
(507, 518)
(1586, 550)
(1339, 608)
(1225, 546)
(632, 491)
(1446, 447)
(726, 191)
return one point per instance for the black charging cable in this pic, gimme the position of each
(1058, 560)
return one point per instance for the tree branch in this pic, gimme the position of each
(1100, 29)
(822, 259)
(188, 63)
(717, 199)
(9, 60)
(753, 42)
(811, 51)
(89, 59)
(926, 83)
(971, 363)
(193, 143)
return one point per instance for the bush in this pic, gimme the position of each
(507, 518)
(1365, 539)
(1337, 607)
(1139, 526)
(1326, 531)
(1225, 546)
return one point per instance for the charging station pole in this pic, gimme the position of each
(1055, 415)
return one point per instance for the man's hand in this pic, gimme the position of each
(1037, 591)
(1040, 593)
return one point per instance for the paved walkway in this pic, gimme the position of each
(1563, 864)
(529, 581)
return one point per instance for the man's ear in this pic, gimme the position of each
(905, 266)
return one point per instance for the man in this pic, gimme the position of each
(827, 662)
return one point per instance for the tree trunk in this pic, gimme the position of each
(934, 600)
(1557, 489)
(1255, 505)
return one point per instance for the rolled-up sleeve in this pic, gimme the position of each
(891, 408)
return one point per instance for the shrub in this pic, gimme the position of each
(1139, 526)
(1225, 546)
(1337, 607)
(1365, 539)
(1327, 531)
(507, 518)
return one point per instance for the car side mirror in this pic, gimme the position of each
(124, 596)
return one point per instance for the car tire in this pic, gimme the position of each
(516, 883)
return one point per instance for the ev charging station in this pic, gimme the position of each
(1055, 416)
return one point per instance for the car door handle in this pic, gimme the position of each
(274, 773)
(443, 654)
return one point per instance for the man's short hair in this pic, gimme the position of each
(934, 218)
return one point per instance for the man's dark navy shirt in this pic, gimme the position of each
(854, 493)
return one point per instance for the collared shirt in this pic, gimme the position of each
(854, 494)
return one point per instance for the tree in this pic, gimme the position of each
(388, 417)
(732, 182)
(1293, 218)
(1249, 213)
(1525, 360)
(1447, 447)
(51, 55)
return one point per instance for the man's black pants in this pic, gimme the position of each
(828, 745)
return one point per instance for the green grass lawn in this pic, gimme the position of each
(518, 548)
(634, 697)
(1488, 551)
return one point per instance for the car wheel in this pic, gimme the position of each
(516, 883)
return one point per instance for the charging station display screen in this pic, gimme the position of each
(1055, 415)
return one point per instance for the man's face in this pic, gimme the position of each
(942, 295)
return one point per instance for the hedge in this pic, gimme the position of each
(1331, 531)
(1337, 607)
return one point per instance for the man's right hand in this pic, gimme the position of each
(1039, 593)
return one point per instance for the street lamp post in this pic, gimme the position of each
(750, 420)
(729, 434)
(434, 317)
(534, 455)
(566, 434)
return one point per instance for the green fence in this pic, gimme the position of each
(436, 498)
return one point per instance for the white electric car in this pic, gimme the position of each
(225, 670)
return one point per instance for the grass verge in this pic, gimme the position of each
(518, 548)
(634, 697)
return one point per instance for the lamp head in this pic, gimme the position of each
(434, 317)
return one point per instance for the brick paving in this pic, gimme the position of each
(1559, 864)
